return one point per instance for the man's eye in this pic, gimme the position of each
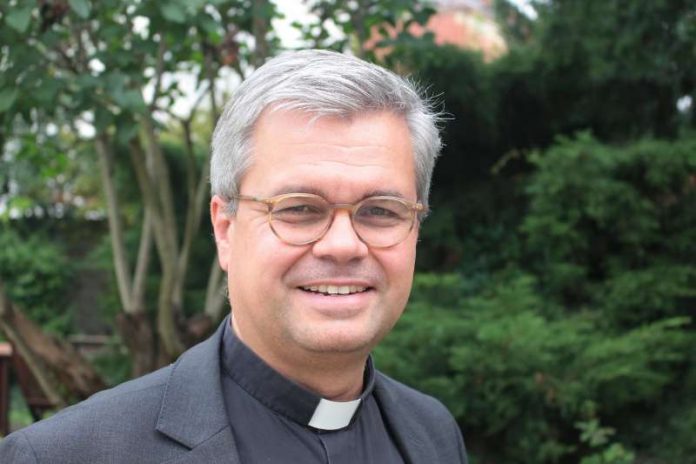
(377, 211)
(298, 210)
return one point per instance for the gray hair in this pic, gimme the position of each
(320, 83)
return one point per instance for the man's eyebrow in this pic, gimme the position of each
(298, 188)
(384, 193)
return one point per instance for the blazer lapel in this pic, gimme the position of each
(193, 408)
(219, 449)
(406, 431)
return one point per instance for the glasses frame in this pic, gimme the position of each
(416, 208)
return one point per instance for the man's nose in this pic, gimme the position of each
(340, 243)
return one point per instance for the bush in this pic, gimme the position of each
(518, 379)
(615, 226)
(36, 274)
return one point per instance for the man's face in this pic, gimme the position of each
(344, 161)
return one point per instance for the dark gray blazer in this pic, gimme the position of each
(176, 415)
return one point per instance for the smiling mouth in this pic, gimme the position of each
(335, 290)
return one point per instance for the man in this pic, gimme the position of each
(320, 175)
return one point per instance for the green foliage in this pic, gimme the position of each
(519, 379)
(20, 416)
(616, 67)
(460, 80)
(36, 274)
(615, 226)
(44, 177)
(365, 26)
(72, 62)
(680, 426)
(596, 437)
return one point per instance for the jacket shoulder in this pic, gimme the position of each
(424, 406)
(424, 416)
(125, 413)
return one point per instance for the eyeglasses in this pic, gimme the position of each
(304, 218)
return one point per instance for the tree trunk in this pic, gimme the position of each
(136, 333)
(169, 316)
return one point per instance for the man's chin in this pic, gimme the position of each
(338, 340)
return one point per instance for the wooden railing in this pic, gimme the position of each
(36, 400)
(5, 359)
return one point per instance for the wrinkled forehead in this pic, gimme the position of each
(301, 148)
(311, 112)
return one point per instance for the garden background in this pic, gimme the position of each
(553, 305)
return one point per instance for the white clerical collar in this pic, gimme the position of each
(285, 397)
(333, 415)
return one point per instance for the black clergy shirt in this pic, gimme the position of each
(270, 416)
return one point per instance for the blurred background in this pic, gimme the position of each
(553, 306)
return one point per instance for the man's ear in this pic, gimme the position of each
(223, 223)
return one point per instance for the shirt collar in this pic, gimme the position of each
(284, 396)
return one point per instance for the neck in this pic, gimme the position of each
(333, 379)
(333, 376)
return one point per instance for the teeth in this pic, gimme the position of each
(336, 289)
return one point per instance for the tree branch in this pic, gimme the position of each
(193, 212)
(159, 71)
(196, 191)
(83, 63)
(150, 199)
(210, 75)
(170, 290)
(196, 104)
(160, 178)
(142, 263)
(122, 268)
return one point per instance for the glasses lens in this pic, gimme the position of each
(383, 222)
(300, 219)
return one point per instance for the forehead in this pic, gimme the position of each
(331, 155)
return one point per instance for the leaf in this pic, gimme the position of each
(209, 25)
(131, 100)
(7, 98)
(173, 12)
(80, 7)
(126, 130)
(102, 118)
(21, 203)
(47, 91)
(115, 80)
(86, 81)
(18, 19)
